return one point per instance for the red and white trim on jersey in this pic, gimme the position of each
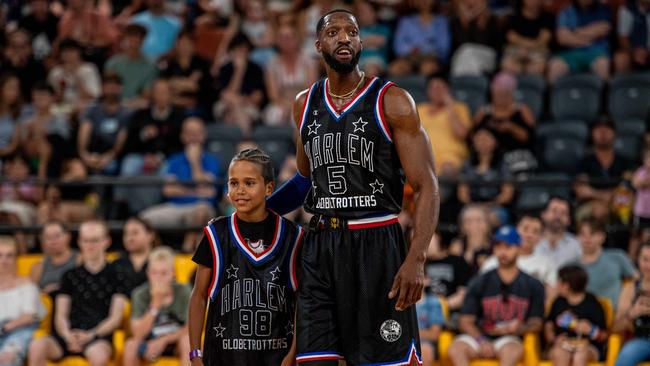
(318, 356)
(293, 260)
(305, 110)
(371, 222)
(339, 113)
(217, 260)
(256, 258)
(379, 112)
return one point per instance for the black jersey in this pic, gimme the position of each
(355, 169)
(252, 306)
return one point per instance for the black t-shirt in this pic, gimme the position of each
(494, 302)
(133, 278)
(91, 294)
(253, 79)
(446, 275)
(30, 73)
(149, 134)
(171, 68)
(488, 35)
(590, 166)
(589, 309)
(530, 28)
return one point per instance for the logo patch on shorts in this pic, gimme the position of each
(390, 330)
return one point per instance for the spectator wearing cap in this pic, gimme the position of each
(500, 306)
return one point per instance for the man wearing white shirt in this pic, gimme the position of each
(557, 243)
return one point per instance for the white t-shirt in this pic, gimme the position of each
(30, 302)
(536, 265)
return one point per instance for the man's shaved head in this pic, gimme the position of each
(321, 22)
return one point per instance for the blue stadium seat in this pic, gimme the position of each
(629, 96)
(470, 89)
(562, 153)
(278, 142)
(416, 85)
(569, 128)
(535, 193)
(530, 91)
(634, 127)
(628, 146)
(222, 140)
(576, 97)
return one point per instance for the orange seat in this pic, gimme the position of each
(25, 262)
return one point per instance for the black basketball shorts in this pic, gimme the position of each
(344, 312)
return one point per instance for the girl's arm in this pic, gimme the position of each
(198, 303)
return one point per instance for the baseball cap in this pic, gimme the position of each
(508, 234)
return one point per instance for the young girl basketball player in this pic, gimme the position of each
(247, 274)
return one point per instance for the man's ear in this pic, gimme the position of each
(318, 48)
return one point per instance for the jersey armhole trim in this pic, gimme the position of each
(293, 261)
(217, 261)
(305, 107)
(383, 125)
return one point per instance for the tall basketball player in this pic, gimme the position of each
(359, 138)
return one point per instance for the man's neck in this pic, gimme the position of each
(575, 298)
(61, 257)
(133, 55)
(94, 265)
(588, 258)
(554, 237)
(343, 83)
(604, 153)
(508, 274)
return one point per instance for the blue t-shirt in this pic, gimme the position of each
(179, 167)
(607, 273)
(161, 33)
(573, 18)
(433, 38)
(429, 312)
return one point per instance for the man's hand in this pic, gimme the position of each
(409, 282)
(486, 349)
(583, 327)
(193, 153)
(155, 348)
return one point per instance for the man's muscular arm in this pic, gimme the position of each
(414, 150)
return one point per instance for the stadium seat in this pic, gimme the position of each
(627, 127)
(532, 199)
(25, 262)
(629, 96)
(184, 268)
(562, 154)
(416, 85)
(276, 141)
(530, 91)
(470, 89)
(628, 146)
(222, 140)
(568, 128)
(576, 97)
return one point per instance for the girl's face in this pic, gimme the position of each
(247, 189)
(484, 142)
(475, 222)
(10, 91)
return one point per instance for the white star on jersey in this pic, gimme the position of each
(313, 128)
(359, 125)
(289, 328)
(232, 271)
(377, 187)
(219, 329)
(275, 274)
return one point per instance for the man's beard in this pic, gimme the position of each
(342, 67)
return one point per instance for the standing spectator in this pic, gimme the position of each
(475, 39)
(583, 31)
(42, 24)
(511, 123)
(188, 205)
(376, 36)
(557, 243)
(641, 183)
(58, 257)
(475, 241)
(138, 239)
(576, 326)
(500, 306)
(286, 74)
(102, 131)
(529, 33)
(422, 41)
(447, 122)
(11, 111)
(634, 314)
(159, 316)
(607, 268)
(20, 307)
(485, 180)
(633, 39)
(18, 60)
(162, 29)
(93, 30)
(240, 87)
(89, 306)
(447, 274)
(135, 70)
(76, 83)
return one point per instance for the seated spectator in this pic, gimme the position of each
(601, 170)
(138, 238)
(633, 314)
(88, 307)
(376, 36)
(256, 25)
(94, 30)
(44, 135)
(18, 60)
(511, 123)
(475, 241)
(287, 74)
(485, 180)
(641, 222)
(162, 29)
(476, 38)
(188, 205)
(240, 87)
(529, 33)
(447, 122)
(557, 242)
(576, 327)
(11, 111)
(42, 25)
(153, 135)
(189, 75)
(431, 319)
(134, 69)
(582, 30)
(533, 263)
(20, 307)
(422, 42)
(76, 83)
(159, 314)
(500, 306)
(607, 268)
(102, 131)
(633, 41)
(447, 274)
(58, 257)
